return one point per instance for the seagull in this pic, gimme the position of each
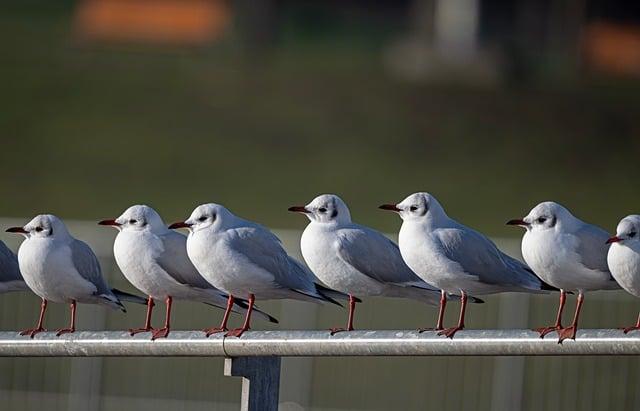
(243, 258)
(566, 253)
(357, 260)
(623, 258)
(154, 259)
(10, 277)
(62, 269)
(456, 258)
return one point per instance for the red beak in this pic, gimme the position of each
(19, 230)
(112, 223)
(180, 224)
(518, 222)
(614, 239)
(299, 209)
(390, 207)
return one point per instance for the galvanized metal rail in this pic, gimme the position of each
(319, 343)
(256, 355)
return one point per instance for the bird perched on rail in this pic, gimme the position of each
(623, 258)
(567, 253)
(10, 277)
(60, 268)
(154, 259)
(357, 260)
(454, 257)
(244, 259)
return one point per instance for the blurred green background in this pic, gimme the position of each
(492, 106)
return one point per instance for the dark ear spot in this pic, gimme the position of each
(425, 208)
(334, 213)
(553, 221)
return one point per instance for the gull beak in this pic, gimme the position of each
(614, 239)
(112, 223)
(180, 224)
(518, 222)
(390, 207)
(18, 230)
(299, 209)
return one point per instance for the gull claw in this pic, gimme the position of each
(567, 333)
(214, 330)
(632, 328)
(160, 333)
(61, 331)
(134, 331)
(236, 332)
(450, 332)
(335, 330)
(421, 330)
(546, 330)
(31, 332)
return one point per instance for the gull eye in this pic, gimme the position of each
(133, 221)
(413, 208)
(202, 219)
(38, 229)
(541, 220)
(322, 209)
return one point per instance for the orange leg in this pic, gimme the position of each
(237, 332)
(443, 305)
(558, 325)
(570, 332)
(31, 332)
(225, 318)
(633, 327)
(352, 310)
(147, 322)
(450, 332)
(164, 331)
(72, 326)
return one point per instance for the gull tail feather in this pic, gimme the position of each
(265, 316)
(470, 298)
(124, 296)
(548, 287)
(333, 295)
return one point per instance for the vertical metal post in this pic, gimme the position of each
(260, 381)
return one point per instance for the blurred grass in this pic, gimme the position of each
(88, 130)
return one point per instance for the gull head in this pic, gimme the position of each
(42, 226)
(206, 217)
(326, 208)
(137, 218)
(417, 207)
(628, 230)
(545, 216)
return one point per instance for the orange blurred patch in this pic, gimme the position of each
(613, 48)
(156, 21)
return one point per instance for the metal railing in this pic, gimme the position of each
(256, 356)
(318, 344)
